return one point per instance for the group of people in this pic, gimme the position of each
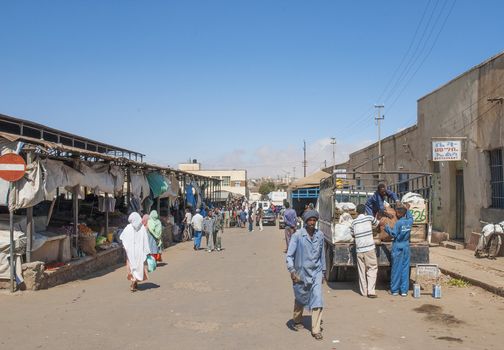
(211, 223)
(306, 256)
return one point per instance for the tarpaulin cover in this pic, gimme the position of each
(157, 183)
(29, 191)
(140, 188)
(173, 187)
(19, 249)
(191, 201)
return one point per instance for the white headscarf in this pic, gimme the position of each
(136, 243)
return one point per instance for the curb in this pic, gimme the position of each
(492, 289)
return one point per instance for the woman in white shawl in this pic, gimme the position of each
(136, 243)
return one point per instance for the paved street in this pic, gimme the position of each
(239, 298)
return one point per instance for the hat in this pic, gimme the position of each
(310, 214)
(198, 210)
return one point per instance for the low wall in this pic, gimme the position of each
(36, 278)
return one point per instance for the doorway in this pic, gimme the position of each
(459, 205)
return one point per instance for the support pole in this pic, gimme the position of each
(11, 248)
(75, 206)
(158, 205)
(128, 187)
(29, 220)
(106, 214)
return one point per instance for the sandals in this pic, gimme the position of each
(317, 336)
(298, 326)
(133, 287)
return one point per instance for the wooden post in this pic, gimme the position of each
(106, 215)
(29, 219)
(128, 187)
(75, 206)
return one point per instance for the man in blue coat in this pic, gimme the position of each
(400, 251)
(306, 264)
(375, 203)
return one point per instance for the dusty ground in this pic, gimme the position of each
(239, 298)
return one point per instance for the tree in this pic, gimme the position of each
(266, 187)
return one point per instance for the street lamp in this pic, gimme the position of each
(333, 143)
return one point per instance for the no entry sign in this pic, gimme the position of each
(12, 167)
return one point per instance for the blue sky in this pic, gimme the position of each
(236, 84)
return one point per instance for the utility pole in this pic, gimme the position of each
(333, 143)
(293, 173)
(304, 161)
(378, 120)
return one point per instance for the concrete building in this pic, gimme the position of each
(234, 181)
(469, 109)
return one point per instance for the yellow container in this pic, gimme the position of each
(110, 237)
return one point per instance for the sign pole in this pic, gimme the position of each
(11, 248)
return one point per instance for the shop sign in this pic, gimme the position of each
(449, 150)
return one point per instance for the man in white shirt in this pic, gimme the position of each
(367, 264)
(197, 225)
(187, 222)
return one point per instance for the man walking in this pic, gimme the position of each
(290, 221)
(187, 222)
(219, 229)
(227, 215)
(367, 264)
(259, 217)
(197, 225)
(208, 229)
(306, 264)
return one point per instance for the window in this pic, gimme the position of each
(226, 181)
(497, 178)
(237, 183)
(403, 186)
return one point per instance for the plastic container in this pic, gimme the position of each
(436, 291)
(416, 290)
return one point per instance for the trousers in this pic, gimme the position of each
(210, 241)
(197, 239)
(316, 316)
(367, 265)
(400, 268)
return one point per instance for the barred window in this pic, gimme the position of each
(226, 181)
(497, 178)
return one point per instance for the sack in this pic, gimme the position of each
(382, 235)
(413, 199)
(151, 263)
(88, 244)
(341, 233)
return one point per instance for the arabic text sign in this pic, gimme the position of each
(446, 150)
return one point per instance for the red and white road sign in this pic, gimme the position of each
(12, 167)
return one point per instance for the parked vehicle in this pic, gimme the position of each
(269, 218)
(341, 257)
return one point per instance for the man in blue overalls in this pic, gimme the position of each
(306, 264)
(400, 251)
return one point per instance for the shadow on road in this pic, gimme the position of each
(147, 286)
(306, 322)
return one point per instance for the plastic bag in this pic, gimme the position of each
(151, 263)
(342, 233)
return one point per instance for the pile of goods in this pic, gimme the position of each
(341, 231)
(87, 239)
(379, 232)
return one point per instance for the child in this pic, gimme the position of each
(367, 264)
(400, 252)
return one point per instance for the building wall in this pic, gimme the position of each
(237, 179)
(458, 109)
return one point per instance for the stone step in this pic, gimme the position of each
(452, 245)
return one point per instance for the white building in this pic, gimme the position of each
(234, 181)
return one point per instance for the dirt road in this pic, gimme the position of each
(240, 298)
